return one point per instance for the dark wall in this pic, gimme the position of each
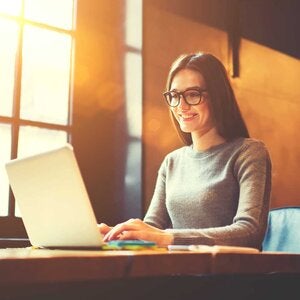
(273, 23)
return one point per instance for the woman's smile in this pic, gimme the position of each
(187, 117)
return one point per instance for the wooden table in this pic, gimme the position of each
(23, 270)
(69, 266)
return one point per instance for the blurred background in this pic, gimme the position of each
(92, 72)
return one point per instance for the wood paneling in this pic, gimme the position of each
(267, 90)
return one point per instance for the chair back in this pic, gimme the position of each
(283, 232)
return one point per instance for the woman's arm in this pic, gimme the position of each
(157, 219)
(252, 170)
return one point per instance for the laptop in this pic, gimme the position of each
(53, 200)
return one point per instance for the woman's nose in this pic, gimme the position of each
(182, 103)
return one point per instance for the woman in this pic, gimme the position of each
(216, 189)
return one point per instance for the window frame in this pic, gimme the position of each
(12, 226)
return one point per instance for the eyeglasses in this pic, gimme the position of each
(191, 96)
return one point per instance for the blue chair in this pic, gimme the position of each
(283, 232)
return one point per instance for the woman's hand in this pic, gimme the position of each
(136, 229)
(104, 229)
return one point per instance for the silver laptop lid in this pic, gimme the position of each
(53, 200)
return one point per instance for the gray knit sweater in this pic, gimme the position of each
(219, 196)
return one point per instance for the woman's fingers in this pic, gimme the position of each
(136, 229)
(135, 235)
(104, 229)
(116, 232)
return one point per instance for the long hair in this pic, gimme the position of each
(223, 105)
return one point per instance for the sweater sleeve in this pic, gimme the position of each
(252, 170)
(157, 214)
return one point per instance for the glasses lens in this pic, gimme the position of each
(192, 97)
(172, 98)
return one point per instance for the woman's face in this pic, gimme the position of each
(195, 119)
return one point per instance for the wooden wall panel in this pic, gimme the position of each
(267, 90)
(269, 96)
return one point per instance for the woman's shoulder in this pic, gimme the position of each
(251, 148)
(252, 144)
(173, 158)
(175, 155)
(178, 152)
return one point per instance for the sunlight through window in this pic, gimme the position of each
(36, 55)
(11, 7)
(45, 78)
(8, 33)
(133, 32)
(133, 101)
(133, 83)
(34, 140)
(133, 67)
(57, 13)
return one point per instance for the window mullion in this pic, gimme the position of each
(16, 106)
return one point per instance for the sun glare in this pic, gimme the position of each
(45, 80)
(10, 7)
(46, 58)
(8, 33)
(41, 31)
(52, 12)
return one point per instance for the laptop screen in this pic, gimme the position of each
(53, 200)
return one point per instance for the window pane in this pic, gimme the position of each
(133, 87)
(52, 12)
(5, 141)
(33, 140)
(9, 34)
(11, 7)
(133, 29)
(46, 74)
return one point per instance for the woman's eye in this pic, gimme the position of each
(193, 94)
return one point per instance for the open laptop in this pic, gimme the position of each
(53, 200)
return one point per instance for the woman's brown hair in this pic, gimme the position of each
(225, 110)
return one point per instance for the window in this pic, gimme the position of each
(36, 59)
(133, 94)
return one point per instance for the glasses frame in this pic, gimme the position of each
(199, 90)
